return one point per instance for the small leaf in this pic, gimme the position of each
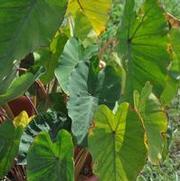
(22, 120)
(51, 160)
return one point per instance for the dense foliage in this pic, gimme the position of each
(81, 98)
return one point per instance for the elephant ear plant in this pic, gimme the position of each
(67, 115)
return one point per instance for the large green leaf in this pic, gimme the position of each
(51, 160)
(155, 121)
(73, 54)
(88, 87)
(143, 46)
(9, 145)
(51, 122)
(25, 26)
(19, 85)
(117, 144)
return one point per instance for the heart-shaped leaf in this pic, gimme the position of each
(51, 160)
(51, 122)
(143, 47)
(88, 87)
(117, 144)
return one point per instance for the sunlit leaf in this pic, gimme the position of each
(143, 47)
(95, 10)
(117, 143)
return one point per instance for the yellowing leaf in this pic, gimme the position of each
(22, 120)
(154, 120)
(95, 10)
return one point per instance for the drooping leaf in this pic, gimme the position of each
(20, 85)
(117, 144)
(51, 160)
(88, 87)
(154, 120)
(143, 47)
(9, 145)
(95, 10)
(51, 122)
(73, 54)
(25, 26)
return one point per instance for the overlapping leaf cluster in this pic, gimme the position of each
(116, 111)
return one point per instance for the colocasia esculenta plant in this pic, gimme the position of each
(67, 115)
